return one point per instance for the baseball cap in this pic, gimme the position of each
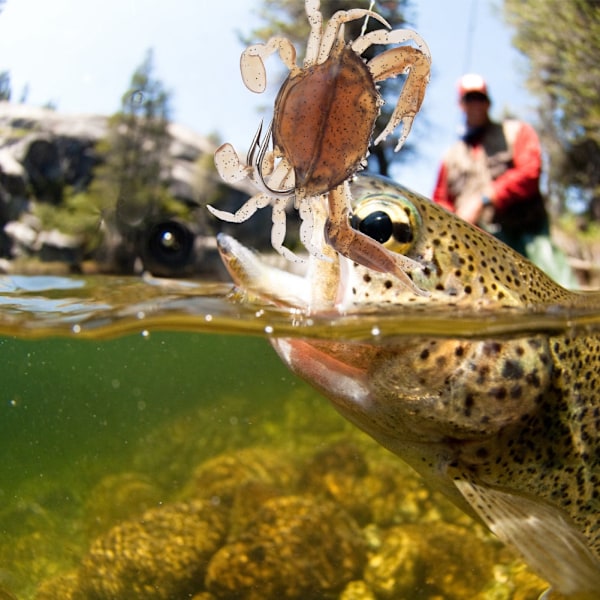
(472, 83)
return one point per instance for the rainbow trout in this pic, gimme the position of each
(507, 427)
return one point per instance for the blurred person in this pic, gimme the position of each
(490, 177)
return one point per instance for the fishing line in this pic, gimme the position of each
(364, 27)
(471, 22)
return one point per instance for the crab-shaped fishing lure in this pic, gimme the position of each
(323, 122)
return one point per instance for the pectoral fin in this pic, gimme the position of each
(542, 533)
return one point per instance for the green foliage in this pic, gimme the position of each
(208, 181)
(129, 185)
(585, 232)
(77, 215)
(288, 18)
(562, 42)
(138, 143)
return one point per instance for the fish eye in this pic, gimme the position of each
(377, 225)
(388, 219)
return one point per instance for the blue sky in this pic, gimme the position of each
(81, 54)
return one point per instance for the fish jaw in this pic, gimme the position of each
(320, 290)
(341, 373)
(251, 274)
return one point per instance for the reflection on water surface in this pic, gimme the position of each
(104, 307)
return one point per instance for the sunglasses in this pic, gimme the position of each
(475, 97)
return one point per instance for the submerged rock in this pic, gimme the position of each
(346, 522)
(374, 489)
(161, 556)
(357, 590)
(297, 547)
(65, 587)
(438, 559)
(120, 497)
(220, 478)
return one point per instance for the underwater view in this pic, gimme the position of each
(154, 446)
(264, 370)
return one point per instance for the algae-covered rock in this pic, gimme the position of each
(161, 556)
(6, 595)
(357, 590)
(342, 456)
(220, 477)
(120, 497)
(372, 486)
(514, 581)
(372, 491)
(65, 587)
(249, 498)
(338, 471)
(296, 548)
(430, 560)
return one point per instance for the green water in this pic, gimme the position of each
(119, 395)
(74, 411)
(64, 398)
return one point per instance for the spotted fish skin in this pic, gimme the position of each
(461, 265)
(480, 418)
(507, 427)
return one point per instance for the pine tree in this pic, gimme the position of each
(5, 88)
(129, 186)
(136, 149)
(562, 42)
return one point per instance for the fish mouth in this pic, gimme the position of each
(317, 290)
(251, 274)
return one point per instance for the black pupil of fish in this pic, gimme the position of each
(377, 225)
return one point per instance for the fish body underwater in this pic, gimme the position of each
(506, 426)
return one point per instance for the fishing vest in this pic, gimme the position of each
(470, 171)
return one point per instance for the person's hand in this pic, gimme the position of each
(470, 208)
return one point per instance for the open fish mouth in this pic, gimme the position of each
(320, 289)
(253, 275)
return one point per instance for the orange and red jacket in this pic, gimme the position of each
(519, 182)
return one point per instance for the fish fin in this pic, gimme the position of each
(551, 594)
(542, 533)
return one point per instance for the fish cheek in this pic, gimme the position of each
(462, 389)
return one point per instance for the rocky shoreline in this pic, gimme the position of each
(46, 155)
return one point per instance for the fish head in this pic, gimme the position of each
(397, 390)
(454, 263)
